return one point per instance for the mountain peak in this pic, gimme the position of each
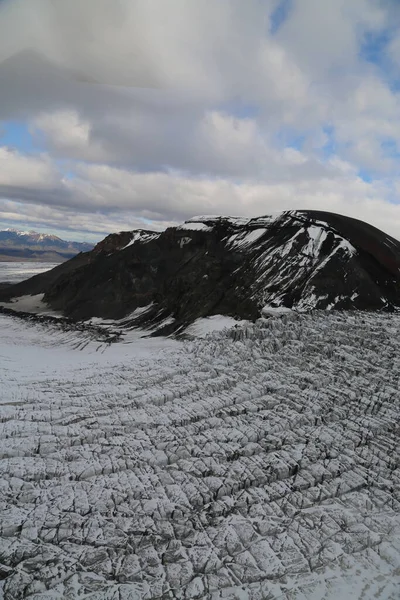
(234, 266)
(42, 246)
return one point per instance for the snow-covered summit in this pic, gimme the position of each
(32, 244)
(32, 234)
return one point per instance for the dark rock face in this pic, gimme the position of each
(230, 266)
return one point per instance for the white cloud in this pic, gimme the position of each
(85, 226)
(324, 36)
(82, 202)
(237, 119)
(32, 172)
(66, 133)
(369, 118)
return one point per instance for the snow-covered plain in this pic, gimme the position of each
(261, 462)
(14, 272)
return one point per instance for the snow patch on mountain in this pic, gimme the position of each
(18, 232)
(194, 226)
(244, 239)
(30, 304)
(141, 236)
(213, 220)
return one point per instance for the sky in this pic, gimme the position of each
(121, 114)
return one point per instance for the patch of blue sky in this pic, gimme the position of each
(279, 15)
(289, 138)
(373, 49)
(16, 134)
(374, 45)
(390, 148)
(365, 175)
(329, 149)
(69, 175)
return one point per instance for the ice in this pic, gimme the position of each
(204, 326)
(261, 461)
(31, 304)
(275, 310)
(14, 272)
(194, 226)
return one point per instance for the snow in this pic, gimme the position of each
(202, 327)
(317, 237)
(32, 304)
(18, 232)
(235, 221)
(299, 259)
(318, 233)
(274, 311)
(258, 462)
(204, 218)
(266, 220)
(183, 241)
(127, 328)
(314, 233)
(121, 322)
(194, 226)
(243, 240)
(143, 236)
(208, 221)
(347, 246)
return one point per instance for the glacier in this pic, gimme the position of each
(259, 461)
(15, 272)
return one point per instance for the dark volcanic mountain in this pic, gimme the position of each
(22, 245)
(224, 265)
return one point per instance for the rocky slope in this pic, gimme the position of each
(230, 266)
(23, 245)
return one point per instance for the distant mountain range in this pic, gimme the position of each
(30, 245)
(232, 266)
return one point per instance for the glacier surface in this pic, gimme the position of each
(14, 272)
(260, 462)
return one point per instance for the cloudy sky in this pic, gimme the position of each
(117, 114)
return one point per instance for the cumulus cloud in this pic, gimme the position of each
(66, 133)
(30, 172)
(155, 200)
(90, 226)
(147, 111)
